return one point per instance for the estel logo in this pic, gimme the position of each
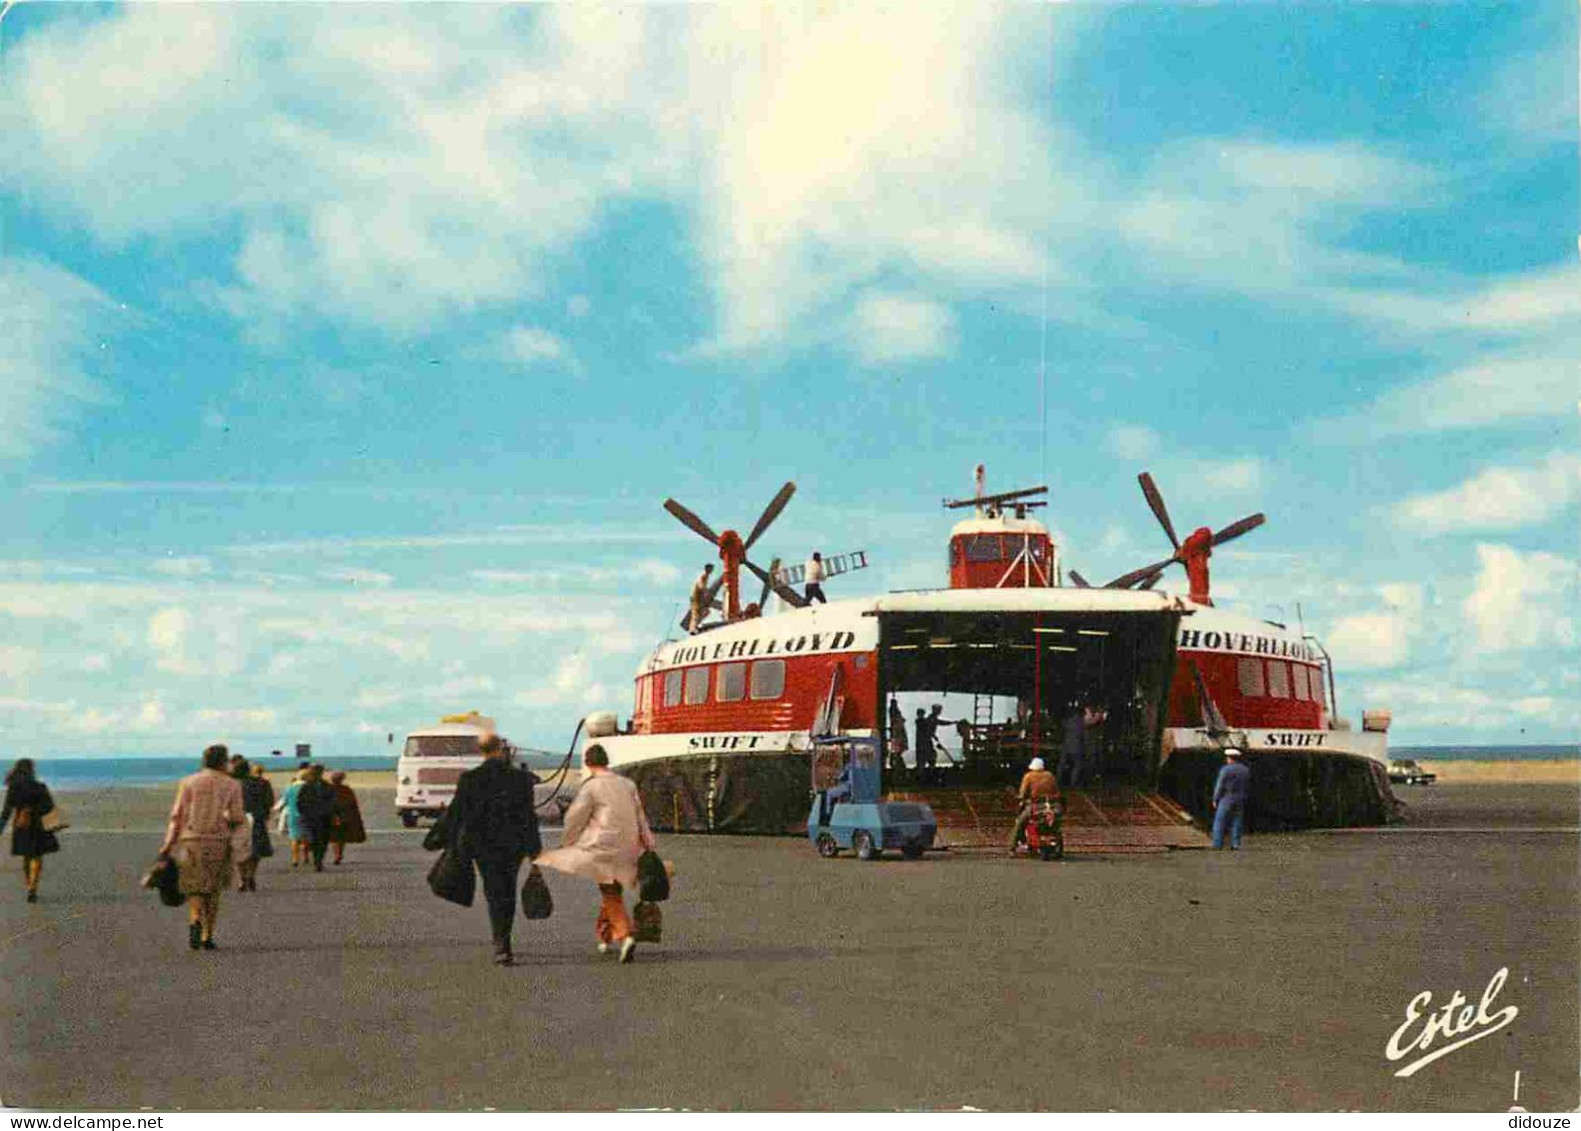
(1455, 1018)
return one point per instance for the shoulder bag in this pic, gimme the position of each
(452, 878)
(653, 881)
(536, 901)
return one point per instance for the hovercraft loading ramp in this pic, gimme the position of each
(1107, 820)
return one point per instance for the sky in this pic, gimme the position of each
(348, 351)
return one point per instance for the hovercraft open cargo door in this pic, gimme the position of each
(1016, 672)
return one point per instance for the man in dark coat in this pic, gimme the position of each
(1230, 791)
(494, 824)
(316, 803)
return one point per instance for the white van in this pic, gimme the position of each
(431, 762)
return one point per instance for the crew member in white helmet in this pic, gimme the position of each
(813, 575)
(1036, 784)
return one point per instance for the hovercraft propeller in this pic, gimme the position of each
(733, 552)
(1193, 553)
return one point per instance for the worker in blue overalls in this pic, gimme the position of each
(1230, 791)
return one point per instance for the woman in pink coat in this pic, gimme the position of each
(207, 836)
(605, 832)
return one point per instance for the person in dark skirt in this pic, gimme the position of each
(27, 801)
(317, 805)
(257, 800)
(346, 826)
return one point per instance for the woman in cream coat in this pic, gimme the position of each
(605, 832)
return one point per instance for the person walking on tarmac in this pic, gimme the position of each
(494, 824)
(813, 575)
(606, 831)
(1036, 785)
(316, 803)
(27, 800)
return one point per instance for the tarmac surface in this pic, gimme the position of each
(1270, 978)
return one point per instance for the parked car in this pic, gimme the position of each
(1405, 771)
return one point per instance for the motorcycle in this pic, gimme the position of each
(1046, 830)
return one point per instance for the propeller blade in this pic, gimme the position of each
(770, 513)
(763, 598)
(1081, 582)
(691, 521)
(1126, 580)
(1236, 529)
(1151, 581)
(792, 598)
(1156, 500)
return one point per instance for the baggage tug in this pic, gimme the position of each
(725, 719)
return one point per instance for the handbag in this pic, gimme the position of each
(53, 821)
(653, 881)
(647, 922)
(165, 878)
(452, 878)
(536, 900)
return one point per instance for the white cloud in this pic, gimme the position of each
(1497, 498)
(1233, 476)
(523, 535)
(1540, 297)
(184, 567)
(1369, 640)
(657, 571)
(436, 179)
(1522, 600)
(369, 578)
(1432, 703)
(52, 322)
(1408, 597)
(842, 143)
(1132, 441)
(167, 637)
(245, 720)
(1262, 219)
(530, 345)
(265, 665)
(571, 684)
(464, 156)
(16, 663)
(1500, 389)
(893, 327)
(1532, 96)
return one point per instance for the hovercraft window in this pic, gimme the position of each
(1298, 673)
(1279, 679)
(984, 548)
(732, 683)
(768, 679)
(697, 685)
(672, 688)
(1251, 673)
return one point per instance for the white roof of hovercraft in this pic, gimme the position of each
(997, 524)
(1065, 600)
